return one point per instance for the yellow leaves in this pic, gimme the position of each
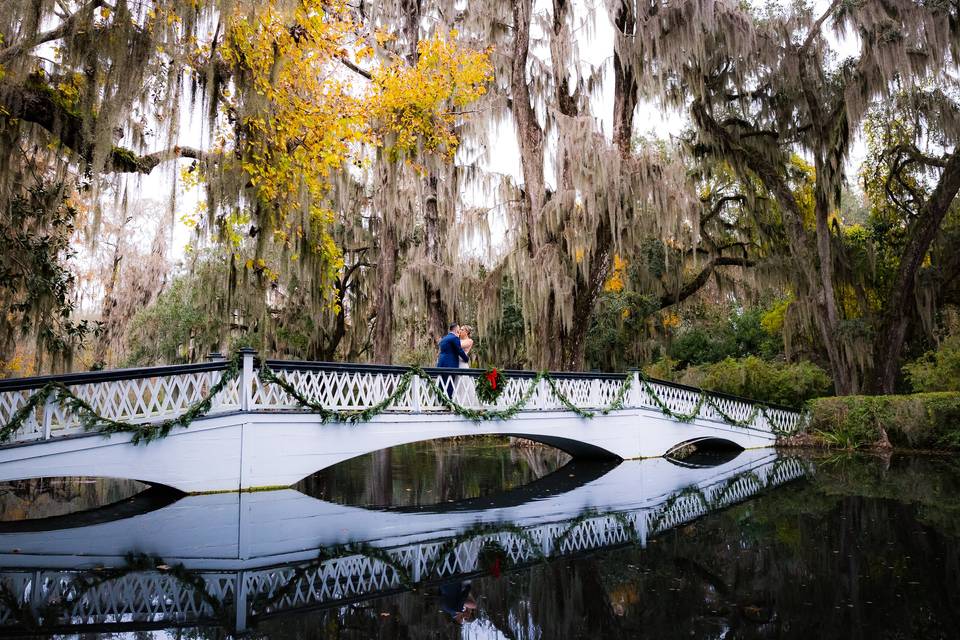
(418, 106)
(300, 121)
(363, 53)
(773, 320)
(670, 319)
(262, 269)
(616, 281)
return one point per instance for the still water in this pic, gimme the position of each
(481, 539)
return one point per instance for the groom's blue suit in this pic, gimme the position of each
(451, 353)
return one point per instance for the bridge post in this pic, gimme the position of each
(415, 385)
(246, 379)
(635, 399)
(48, 406)
(240, 603)
(595, 394)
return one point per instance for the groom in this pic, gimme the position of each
(451, 353)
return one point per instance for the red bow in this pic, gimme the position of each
(492, 377)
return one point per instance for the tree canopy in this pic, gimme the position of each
(354, 203)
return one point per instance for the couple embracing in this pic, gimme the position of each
(455, 347)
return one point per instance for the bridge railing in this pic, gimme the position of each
(129, 395)
(154, 394)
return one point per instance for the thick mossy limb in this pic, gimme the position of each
(918, 421)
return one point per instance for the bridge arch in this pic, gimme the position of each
(241, 451)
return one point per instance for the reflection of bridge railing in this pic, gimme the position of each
(146, 592)
(153, 394)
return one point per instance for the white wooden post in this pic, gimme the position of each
(246, 379)
(595, 393)
(240, 602)
(546, 542)
(543, 392)
(416, 571)
(48, 408)
(415, 385)
(635, 396)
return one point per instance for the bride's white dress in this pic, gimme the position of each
(464, 392)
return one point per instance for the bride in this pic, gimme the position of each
(466, 343)
(465, 389)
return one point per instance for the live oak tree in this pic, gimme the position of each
(95, 90)
(585, 196)
(764, 87)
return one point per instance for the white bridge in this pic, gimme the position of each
(255, 434)
(231, 559)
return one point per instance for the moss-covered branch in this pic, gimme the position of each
(43, 105)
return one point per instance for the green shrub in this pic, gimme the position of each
(918, 421)
(751, 377)
(725, 333)
(937, 370)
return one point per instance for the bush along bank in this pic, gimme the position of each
(917, 421)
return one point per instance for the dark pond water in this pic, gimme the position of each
(483, 540)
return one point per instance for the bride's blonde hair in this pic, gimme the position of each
(467, 328)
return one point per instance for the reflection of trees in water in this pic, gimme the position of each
(46, 497)
(540, 458)
(862, 550)
(433, 472)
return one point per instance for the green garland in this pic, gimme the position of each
(91, 421)
(707, 399)
(267, 375)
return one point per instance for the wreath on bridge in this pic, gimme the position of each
(490, 385)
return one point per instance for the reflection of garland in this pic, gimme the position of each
(629, 527)
(492, 558)
(92, 421)
(719, 496)
(87, 581)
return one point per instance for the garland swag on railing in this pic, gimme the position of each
(706, 399)
(92, 421)
(403, 385)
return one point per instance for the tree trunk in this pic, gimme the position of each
(893, 328)
(106, 320)
(433, 231)
(586, 292)
(383, 309)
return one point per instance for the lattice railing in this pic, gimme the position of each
(146, 396)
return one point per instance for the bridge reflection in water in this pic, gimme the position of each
(233, 559)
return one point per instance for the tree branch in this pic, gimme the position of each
(353, 67)
(56, 33)
(687, 290)
(43, 106)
